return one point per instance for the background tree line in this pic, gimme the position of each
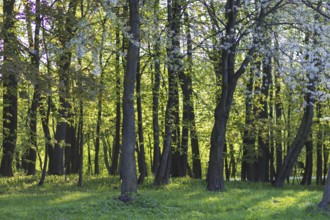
(222, 89)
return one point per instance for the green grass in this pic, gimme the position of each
(21, 198)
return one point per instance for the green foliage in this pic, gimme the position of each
(59, 198)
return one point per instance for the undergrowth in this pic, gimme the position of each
(61, 198)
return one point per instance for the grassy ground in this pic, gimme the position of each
(21, 198)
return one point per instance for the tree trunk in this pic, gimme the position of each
(64, 90)
(319, 144)
(9, 79)
(307, 177)
(249, 153)
(141, 151)
(301, 136)
(263, 139)
(116, 144)
(155, 92)
(127, 161)
(32, 112)
(326, 194)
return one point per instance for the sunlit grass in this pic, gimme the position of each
(59, 198)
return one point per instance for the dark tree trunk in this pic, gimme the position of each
(81, 141)
(301, 136)
(249, 153)
(307, 177)
(116, 143)
(278, 139)
(32, 112)
(226, 69)
(9, 80)
(319, 144)
(127, 161)
(171, 114)
(178, 153)
(56, 167)
(141, 151)
(263, 139)
(48, 145)
(155, 93)
(326, 194)
(106, 146)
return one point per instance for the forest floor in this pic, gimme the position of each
(59, 198)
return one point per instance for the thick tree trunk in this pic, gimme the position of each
(9, 79)
(127, 161)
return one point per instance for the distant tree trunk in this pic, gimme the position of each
(9, 80)
(32, 112)
(179, 154)
(263, 139)
(307, 177)
(164, 168)
(301, 136)
(81, 140)
(105, 154)
(116, 143)
(188, 117)
(319, 144)
(141, 151)
(64, 88)
(127, 161)
(326, 194)
(249, 153)
(278, 139)
(155, 93)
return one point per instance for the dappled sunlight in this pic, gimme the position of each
(70, 197)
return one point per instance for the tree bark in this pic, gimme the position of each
(141, 152)
(155, 92)
(301, 136)
(326, 194)
(127, 161)
(116, 143)
(307, 177)
(9, 78)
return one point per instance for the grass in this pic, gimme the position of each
(21, 198)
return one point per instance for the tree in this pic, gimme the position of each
(10, 72)
(127, 160)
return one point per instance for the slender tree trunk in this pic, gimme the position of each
(116, 143)
(301, 136)
(141, 151)
(307, 177)
(171, 114)
(105, 154)
(81, 141)
(127, 161)
(249, 153)
(263, 139)
(319, 144)
(155, 92)
(64, 88)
